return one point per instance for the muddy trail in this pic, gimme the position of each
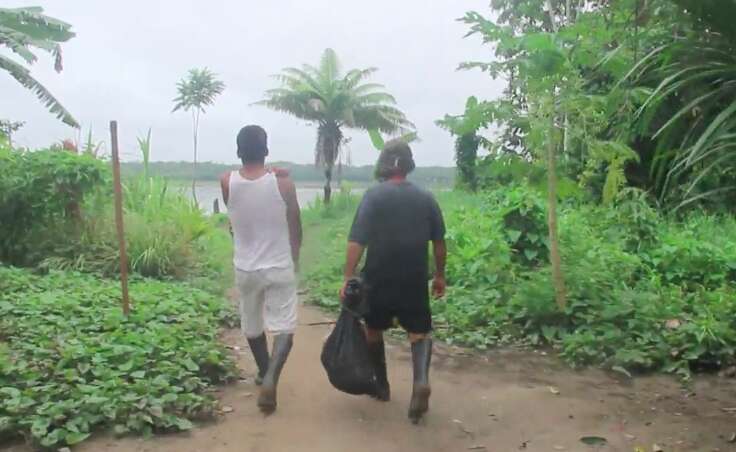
(497, 402)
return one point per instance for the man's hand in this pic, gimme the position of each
(438, 286)
(342, 291)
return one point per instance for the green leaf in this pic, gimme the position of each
(621, 370)
(376, 139)
(530, 254)
(594, 440)
(76, 438)
(183, 424)
(513, 235)
(13, 393)
(190, 365)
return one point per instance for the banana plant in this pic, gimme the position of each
(22, 30)
(379, 142)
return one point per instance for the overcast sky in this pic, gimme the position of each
(127, 57)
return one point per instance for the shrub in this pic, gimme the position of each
(39, 191)
(524, 223)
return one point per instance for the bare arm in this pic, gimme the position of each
(353, 255)
(225, 186)
(440, 257)
(293, 215)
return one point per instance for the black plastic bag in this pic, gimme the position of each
(346, 359)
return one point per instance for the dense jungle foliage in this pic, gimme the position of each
(629, 93)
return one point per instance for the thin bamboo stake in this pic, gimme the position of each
(119, 216)
(558, 279)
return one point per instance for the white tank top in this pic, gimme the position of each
(258, 217)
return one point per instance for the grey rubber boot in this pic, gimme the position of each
(421, 355)
(377, 352)
(281, 347)
(259, 348)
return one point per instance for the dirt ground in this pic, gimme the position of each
(499, 402)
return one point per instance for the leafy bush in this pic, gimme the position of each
(699, 251)
(524, 223)
(38, 191)
(71, 363)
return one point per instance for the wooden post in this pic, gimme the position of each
(119, 215)
(558, 278)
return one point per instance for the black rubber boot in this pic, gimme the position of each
(421, 355)
(281, 347)
(259, 348)
(377, 352)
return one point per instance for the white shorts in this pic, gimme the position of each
(267, 296)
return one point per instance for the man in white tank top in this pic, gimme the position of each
(267, 236)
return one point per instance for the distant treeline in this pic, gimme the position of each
(208, 171)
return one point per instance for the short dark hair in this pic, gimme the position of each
(252, 144)
(395, 159)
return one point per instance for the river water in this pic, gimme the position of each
(208, 191)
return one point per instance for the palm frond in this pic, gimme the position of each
(34, 24)
(367, 88)
(355, 76)
(329, 65)
(375, 98)
(197, 90)
(24, 77)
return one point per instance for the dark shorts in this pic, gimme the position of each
(406, 303)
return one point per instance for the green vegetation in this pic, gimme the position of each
(334, 100)
(22, 30)
(71, 363)
(50, 194)
(626, 93)
(40, 197)
(645, 292)
(301, 173)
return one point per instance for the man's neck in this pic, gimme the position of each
(253, 170)
(397, 178)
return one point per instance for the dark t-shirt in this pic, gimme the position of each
(396, 221)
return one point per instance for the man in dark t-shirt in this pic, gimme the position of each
(396, 221)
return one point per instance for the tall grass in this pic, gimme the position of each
(167, 235)
(342, 203)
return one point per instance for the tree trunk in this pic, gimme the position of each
(329, 138)
(328, 184)
(195, 124)
(558, 278)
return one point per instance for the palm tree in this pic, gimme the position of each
(333, 100)
(195, 92)
(23, 29)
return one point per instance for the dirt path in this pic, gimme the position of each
(502, 401)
